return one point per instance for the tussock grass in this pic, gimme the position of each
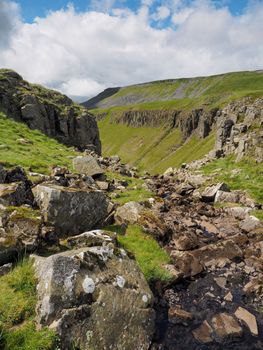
(17, 308)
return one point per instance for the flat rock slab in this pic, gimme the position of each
(87, 165)
(71, 211)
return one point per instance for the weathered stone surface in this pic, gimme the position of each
(225, 326)
(95, 298)
(19, 233)
(5, 269)
(250, 223)
(87, 165)
(91, 239)
(209, 193)
(15, 194)
(71, 210)
(179, 316)
(204, 333)
(230, 197)
(129, 213)
(102, 185)
(249, 319)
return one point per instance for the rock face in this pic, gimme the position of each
(48, 111)
(95, 298)
(71, 210)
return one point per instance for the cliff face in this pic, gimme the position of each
(49, 111)
(199, 121)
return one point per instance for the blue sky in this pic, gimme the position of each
(82, 49)
(34, 8)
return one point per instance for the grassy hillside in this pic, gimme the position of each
(156, 149)
(31, 149)
(186, 93)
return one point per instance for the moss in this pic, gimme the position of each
(24, 212)
(17, 311)
(149, 255)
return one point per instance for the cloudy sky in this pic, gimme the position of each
(81, 47)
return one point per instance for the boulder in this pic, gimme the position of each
(16, 193)
(71, 210)
(250, 223)
(91, 239)
(210, 192)
(227, 197)
(19, 232)
(87, 165)
(95, 298)
(129, 213)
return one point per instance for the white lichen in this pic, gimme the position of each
(145, 298)
(120, 281)
(88, 285)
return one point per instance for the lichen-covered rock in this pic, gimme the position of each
(129, 213)
(49, 111)
(71, 210)
(14, 194)
(91, 239)
(87, 165)
(95, 298)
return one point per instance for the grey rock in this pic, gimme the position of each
(210, 192)
(129, 213)
(87, 165)
(15, 194)
(71, 210)
(95, 298)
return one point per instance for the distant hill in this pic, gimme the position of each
(165, 123)
(174, 93)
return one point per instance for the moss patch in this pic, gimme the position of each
(149, 255)
(17, 311)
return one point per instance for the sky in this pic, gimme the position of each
(82, 47)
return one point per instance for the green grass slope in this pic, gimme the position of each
(156, 149)
(187, 93)
(30, 149)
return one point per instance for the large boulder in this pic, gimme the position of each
(210, 192)
(87, 165)
(95, 298)
(71, 210)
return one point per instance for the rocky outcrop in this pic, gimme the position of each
(71, 210)
(239, 129)
(199, 121)
(95, 298)
(216, 267)
(49, 111)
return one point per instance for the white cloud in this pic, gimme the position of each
(162, 12)
(81, 53)
(9, 21)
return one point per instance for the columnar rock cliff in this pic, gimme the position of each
(54, 114)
